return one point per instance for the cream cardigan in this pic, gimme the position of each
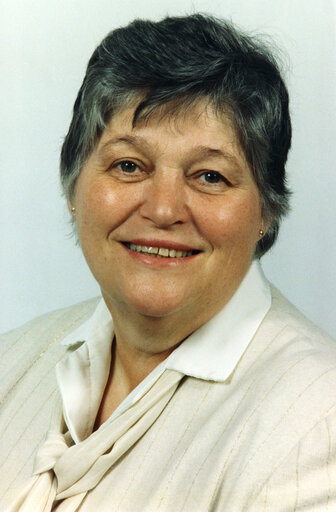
(263, 440)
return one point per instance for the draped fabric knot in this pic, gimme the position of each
(53, 447)
(67, 472)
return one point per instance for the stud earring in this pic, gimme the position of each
(261, 233)
(73, 209)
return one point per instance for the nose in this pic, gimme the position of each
(164, 201)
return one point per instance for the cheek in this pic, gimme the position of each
(229, 219)
(103, 206)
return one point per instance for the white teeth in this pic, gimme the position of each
(162, 252)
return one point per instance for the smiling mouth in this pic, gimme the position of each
(160, 252)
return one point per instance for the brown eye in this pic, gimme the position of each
(128, 167)
(212, 177)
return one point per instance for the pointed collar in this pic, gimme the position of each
(211, 353)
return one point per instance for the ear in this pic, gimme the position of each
(263, 229)
(266, 223)
(71, 208)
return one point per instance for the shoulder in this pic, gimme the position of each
(284, 388)
(59, 323)
(295, 379)
(288, 341)
(39, 338)
(289, 315)
(289, 369)
(286, 332)
(292, 364)
(66, 317)
(28, 386)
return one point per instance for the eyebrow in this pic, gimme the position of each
(198, 152)
(207, 152)
(131, 140)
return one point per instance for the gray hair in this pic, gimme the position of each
(177, 62)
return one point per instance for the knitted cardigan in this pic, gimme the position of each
(264, 440)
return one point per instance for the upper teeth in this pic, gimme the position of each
(160, 251)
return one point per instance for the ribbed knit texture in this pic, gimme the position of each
(265, 440)
(28, 388)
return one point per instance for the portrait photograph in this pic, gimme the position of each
(168, 276)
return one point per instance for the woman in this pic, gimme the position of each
(193, 384)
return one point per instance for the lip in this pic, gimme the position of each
(159, 263)
(165, 244)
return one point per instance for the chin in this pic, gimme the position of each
(156, 309)
(155, 302)
(158, 299)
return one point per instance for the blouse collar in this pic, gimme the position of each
(210, 353)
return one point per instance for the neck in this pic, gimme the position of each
(140, 345)
(142, 342)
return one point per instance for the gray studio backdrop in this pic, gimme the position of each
(45, 46)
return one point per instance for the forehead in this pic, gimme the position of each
(197, 125)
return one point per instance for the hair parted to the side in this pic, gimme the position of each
(179, 61)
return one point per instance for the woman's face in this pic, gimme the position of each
(177, 186)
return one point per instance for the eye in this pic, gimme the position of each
(128, 171)
(210, 182)
(212, 177)
(127, 166)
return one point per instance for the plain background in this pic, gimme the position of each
(45, 46)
